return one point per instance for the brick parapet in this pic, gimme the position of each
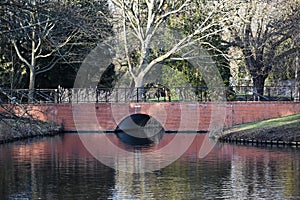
(199, 116)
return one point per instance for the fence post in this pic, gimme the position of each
(117, 94)
(137, 94)
(291, 88)
(77, 97)
(97, 97)
(269, 92)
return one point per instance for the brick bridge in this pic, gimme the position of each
(173, 116)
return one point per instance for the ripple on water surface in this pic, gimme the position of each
(61, 168)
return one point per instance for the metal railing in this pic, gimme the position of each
(161, 94)
(271, 93)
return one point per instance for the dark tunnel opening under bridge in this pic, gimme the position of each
(139, 130)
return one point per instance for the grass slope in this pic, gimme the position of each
(283, 129)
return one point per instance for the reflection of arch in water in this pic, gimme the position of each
(139, 129)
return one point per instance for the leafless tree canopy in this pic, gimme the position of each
(147, 18)
(264, 31)
(44, 33)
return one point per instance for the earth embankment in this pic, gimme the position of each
(284, 130)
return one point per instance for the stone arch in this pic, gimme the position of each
(139, 129)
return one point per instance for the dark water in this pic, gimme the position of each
(61, 168)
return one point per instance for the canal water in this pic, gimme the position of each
(61, 167)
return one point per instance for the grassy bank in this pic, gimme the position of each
(12, 129)
(279, 130)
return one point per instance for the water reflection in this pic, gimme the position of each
(61, 168)
(140, 136)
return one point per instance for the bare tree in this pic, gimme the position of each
(144, 18)
(262, 30)
(48, 33)
(38, 35)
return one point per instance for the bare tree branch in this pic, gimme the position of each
(20, 55)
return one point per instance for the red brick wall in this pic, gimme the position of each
(173, 116)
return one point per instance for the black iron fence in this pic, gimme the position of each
(93, 95)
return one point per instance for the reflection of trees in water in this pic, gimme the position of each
(251, 172)
(61, 168)
(257, 173)
(52, 169)
(181, 180)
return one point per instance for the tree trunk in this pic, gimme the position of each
(33, 57)
(258, 86)
(139, 87)
(31, 85)
(297, 78)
